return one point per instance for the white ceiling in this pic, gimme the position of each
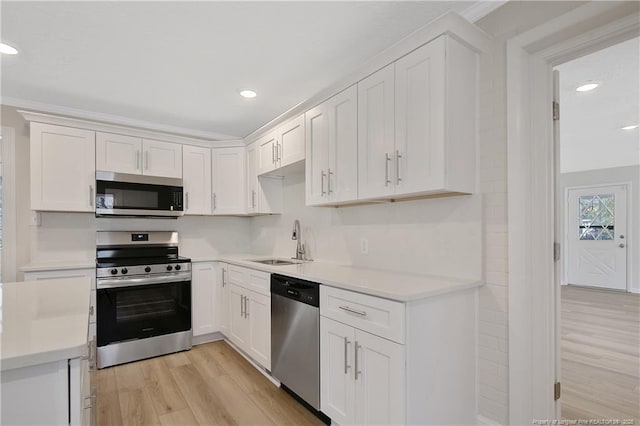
(181, 64)
(590, 122)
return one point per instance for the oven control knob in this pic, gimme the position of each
(147, 269)
(114, 271)
(178, 267)
(124, 270)
(169, 267)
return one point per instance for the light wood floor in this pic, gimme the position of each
(209, 385)
(600, 346)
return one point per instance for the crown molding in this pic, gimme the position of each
(116, 120)
(481, 9)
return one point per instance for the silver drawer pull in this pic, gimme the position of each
(353, 311)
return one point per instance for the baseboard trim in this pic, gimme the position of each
(485, 421)
(206, 338)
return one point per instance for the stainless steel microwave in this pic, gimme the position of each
(122, 194)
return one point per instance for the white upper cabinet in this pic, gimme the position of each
(376, 144)
(417, 123)
(282, 147)
(118, 153)
(62, 168)
(264, 193)
(128, 154)
(290, 138)
(162, 158)
(332, 144)
(229, 188)
(196, 179)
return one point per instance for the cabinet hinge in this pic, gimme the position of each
(556, 111)
(556, 391)
(556, 252)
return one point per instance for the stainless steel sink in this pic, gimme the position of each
(274, 261)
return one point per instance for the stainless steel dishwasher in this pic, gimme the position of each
(295, 336)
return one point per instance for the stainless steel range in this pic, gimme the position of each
(143, 296)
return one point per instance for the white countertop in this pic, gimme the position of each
(43, 321)
(58, 266)
(392, 285)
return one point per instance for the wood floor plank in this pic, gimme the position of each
(243, 410)
(108, 408)
(129, 376)
(177, 359)
(163, 390)
(183, 417)
(600, 354)
(137, 408)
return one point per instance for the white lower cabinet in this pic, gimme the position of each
(222, 300)
(203, 298)
(362, 376)
(250, 312)
(421, 372)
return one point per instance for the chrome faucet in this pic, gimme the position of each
(297, 236)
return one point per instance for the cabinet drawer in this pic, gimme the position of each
(258, 281)
(236, 275)
(381, 317)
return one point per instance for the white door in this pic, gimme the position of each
(252, 179)
(267, 153)
(317, 141)
(238, 324)
(196, 180)
(162, 158)
(597, 237)
(291, 142)
(337, 391)
(379, 380)
(259, 314)
(376, 144)
(118, 153)
(203, 298)
(63, 168)
(229, 188)
(342, 172)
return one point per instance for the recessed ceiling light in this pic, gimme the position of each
(8, 50)
(246, 93)
(631, 127)
(587, 87)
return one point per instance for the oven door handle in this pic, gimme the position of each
(129, 282)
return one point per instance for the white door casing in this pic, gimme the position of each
(596, 235)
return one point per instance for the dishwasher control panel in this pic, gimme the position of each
(293, 288)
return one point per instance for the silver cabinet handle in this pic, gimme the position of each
(246, 307)
(146, 160)
(329, 191)
(253, 198)
(322, 176)
(137, 159)
(186, 201)
(353, 311)
(91, 195)
(356, 371)
(346, 351)
(387, 181)
(214, 201)
(224, 282)
(279, 152)
(622, 245)
(398, 157)
(242, 305)
(273, 155)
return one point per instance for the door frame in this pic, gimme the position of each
(533, 288)
(564, 274)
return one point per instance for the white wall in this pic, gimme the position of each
(437, 236)
(602, 177)
(71, 236)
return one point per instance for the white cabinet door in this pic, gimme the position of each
(63, 172)
(376, 134)
(203, 293)
(419, 157)
(253, 186)
(317, 161)
(118, 153)
(238, 324)
(337, 386)
(196, 179)
(162, 158)
(342, 171)
(267, 153)
(223, 302)
(229, 188)
(379, 372)
(259, 316)
(290, 146)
